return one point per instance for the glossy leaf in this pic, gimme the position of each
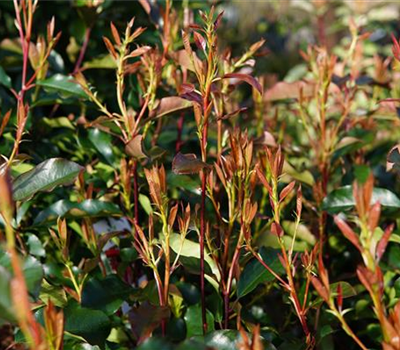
(87, 208)
(32, 270)
(45, 177)
(92, 325)
(228, 339)
(155, 343)
(4, 78)
(393, 159)
(106, 294)
(254, 273)
(102, 142)
(342, 199)
(62, 84)
(193, 321)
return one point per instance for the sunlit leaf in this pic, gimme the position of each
(62, 84)
(87, 208)
(246, 78)
(187, 164)
(45, 177)
(134, 147)
(342, 199)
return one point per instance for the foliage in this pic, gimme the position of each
(163, 185)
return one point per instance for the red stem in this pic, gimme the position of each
(83, 50)
(229, 284)
(135, 193)
(202, 235)
(179, 136)
(25, 52)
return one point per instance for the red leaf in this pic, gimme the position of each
(110, 47)
(186, 42)
(348, 232)
(218, 20)
(286, 191)
(323, 293)
(366, 277)
(4, 121)
(115, 34)
(246, 78)
(169, 105)
(134, 147)
(232, 114)
(276, 229)
(381, 247)
(139, 51)
(299, 202)
(284, 90)
(396, 48)
(373, 217)
(263, 180)
(200, 41)
(187, 164)
(146, 318)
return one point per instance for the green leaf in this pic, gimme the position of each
(87, 208)
(347, 289)
(128, 254)
(106, 294)
(93, 325)
(35, 246)
(290, 173)
(54, 293)
(326, 330)
(155, 343)
(303, 233)
(101, 62)
(176, 329)
(102, 142)
(33, 272)
(189, 252)
(4, 78)
(60, 122)
(254, 273)
(6, 310)
(393, 158)
(45, 177)
(193, 320)
(63, 85)
(342, 199)
(190, 292)
(361, 172)
(396, 287)
(192, 344)
(31, 267)
(228, 339)
(85, 346)
(184, 181)
(145, 203)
